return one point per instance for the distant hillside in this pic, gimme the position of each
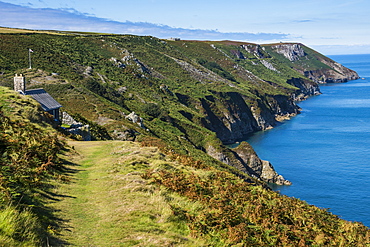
(195, 96)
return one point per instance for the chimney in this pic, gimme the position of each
(19, 83)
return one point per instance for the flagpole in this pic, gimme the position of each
(29, 58)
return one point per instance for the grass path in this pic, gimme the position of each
(107, 203)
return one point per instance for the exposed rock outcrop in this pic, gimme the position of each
(338, 75)
(256, 167)
(293, 52)
(76, 128)
(333, 73)
(69, 120)
(233, 119)
(245, 159)
(133, 117)
(256, 50)
(339, 72)
(269, 66)
(306, 88)
(269, 175)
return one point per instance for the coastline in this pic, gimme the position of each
(324, 152)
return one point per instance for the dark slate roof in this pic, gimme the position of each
(47, 102)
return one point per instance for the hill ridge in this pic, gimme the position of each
(188, 89)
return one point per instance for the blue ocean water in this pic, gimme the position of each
(325, 150)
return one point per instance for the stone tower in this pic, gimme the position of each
(19, 83)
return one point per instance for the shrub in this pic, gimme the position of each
(28, 157)
(152, 110)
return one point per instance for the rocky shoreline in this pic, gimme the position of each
(239, 120)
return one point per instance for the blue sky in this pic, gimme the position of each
(329, 26)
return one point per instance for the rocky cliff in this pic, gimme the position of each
(235, 116)
(256, 167)
(333, 72)
(245, 159)
(293, 52)
(339, 75)
(233, 119)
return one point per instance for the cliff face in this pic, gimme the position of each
(233, 120)
(306, 88)
(339, 75)
(245, 159)
(293, 52)
(236, 117)
(233, 117)
(333, 72)
(256, 167)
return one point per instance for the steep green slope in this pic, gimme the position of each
(29, 150)
(196, 96)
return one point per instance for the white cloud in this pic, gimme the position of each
(73, 20)
(330, 34)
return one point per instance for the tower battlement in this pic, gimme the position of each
(19, 83)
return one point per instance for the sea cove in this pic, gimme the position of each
(324, 150)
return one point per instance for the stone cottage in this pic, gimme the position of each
(48, 103)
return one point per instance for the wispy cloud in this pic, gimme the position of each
(72, 20)
(303, 21)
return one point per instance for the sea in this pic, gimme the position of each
(325, 150)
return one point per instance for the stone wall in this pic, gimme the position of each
(76, 128)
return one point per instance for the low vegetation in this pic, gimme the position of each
(234, 212)
(29, 159)
(164, 189)
(121, 194)
(108, 203)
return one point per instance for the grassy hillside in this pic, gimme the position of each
(109, 75)
(123, 194)
(108, 203)
(29, 150)
(193, 97)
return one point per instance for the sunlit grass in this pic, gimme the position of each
(110, 204)
(19, 227)
(19, 30)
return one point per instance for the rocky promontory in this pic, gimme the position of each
(329, 72)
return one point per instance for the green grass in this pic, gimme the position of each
(28, 159)
(19, 227)
(109, 204)
(121, 194)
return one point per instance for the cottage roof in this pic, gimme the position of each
(47, 102)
